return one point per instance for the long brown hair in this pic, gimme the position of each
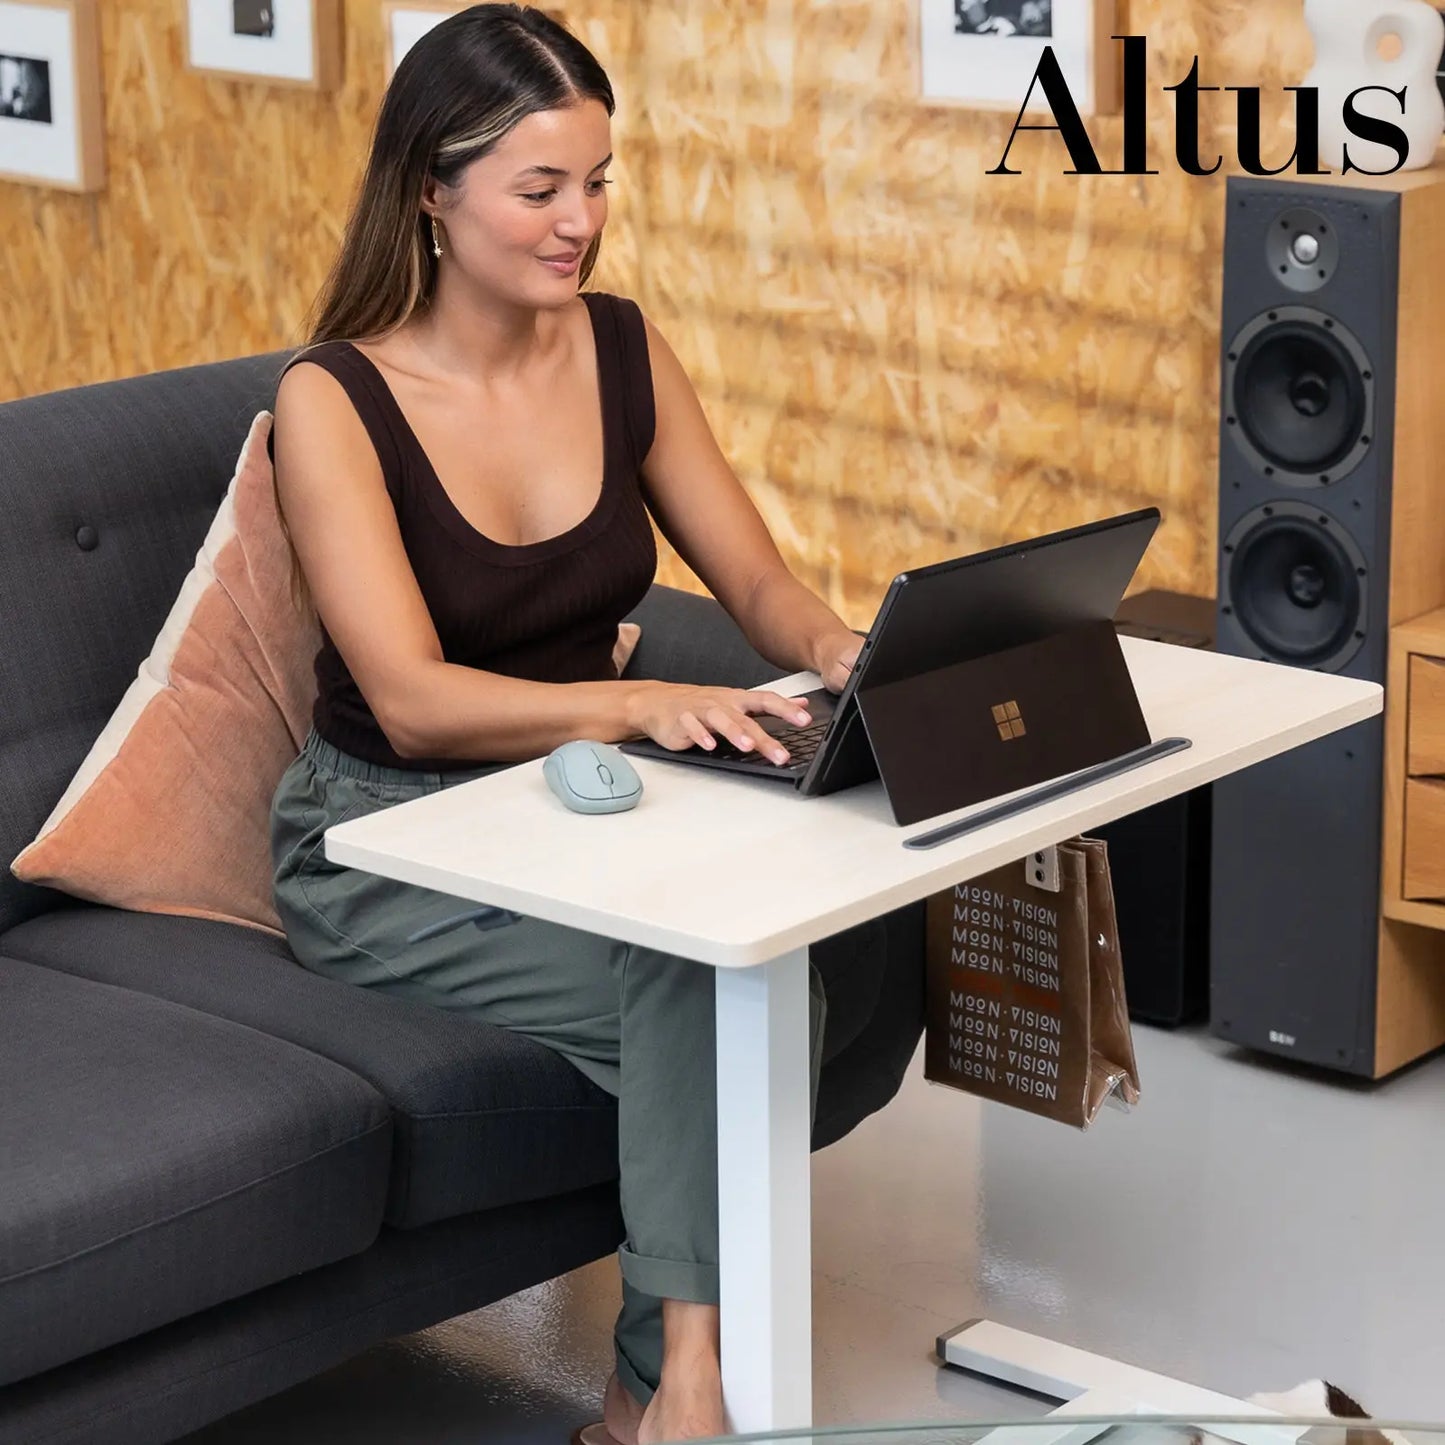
(457, 92)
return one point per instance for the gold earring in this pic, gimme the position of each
(436, 239)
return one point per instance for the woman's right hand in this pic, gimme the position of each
(677, 716)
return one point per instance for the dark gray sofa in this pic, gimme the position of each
(220, 1174)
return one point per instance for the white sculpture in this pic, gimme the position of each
(1391, 43)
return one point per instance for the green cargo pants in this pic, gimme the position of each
(638, 1023)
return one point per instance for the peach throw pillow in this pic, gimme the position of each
(171, 810)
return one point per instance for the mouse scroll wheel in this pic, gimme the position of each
(605, 773)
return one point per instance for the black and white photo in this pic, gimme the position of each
(52, 112)
(984, 54)
(256, 18)
(1031, 19)
(25, 88)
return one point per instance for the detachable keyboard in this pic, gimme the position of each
(802, 744)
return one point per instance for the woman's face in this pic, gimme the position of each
(522, 217)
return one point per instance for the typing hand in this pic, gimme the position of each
(680, 716)
(834, 657)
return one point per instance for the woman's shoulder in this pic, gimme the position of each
(630, 323)
(343, 349)
(326, 379)
(329, 356)
(632, 350)
(336, 401)
(359, 368)
(610, 301)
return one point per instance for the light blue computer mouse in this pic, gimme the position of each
(592, 778)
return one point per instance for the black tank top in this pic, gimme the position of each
(546, 611)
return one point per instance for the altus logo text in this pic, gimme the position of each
(1050, 81)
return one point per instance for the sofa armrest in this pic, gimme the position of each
(691, 639)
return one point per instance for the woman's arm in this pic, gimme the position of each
(709, 518)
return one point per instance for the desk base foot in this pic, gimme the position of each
(1094, 1386)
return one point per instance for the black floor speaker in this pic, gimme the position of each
(1331, 443)
(1159, 858)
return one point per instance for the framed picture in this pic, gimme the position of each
(406, 21)
(984, 54)
(285, 42)
(51, 108)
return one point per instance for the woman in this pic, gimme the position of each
(438, 449)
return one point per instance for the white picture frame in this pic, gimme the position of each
(984, 54)
(404, 22)
(281, 42)
(52, 110)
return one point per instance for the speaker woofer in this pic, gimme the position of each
(1299, 396)
(1296, 584)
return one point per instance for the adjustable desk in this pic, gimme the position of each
(652, 876)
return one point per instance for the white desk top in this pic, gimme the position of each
(734, 871)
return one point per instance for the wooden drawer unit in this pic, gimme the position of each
(1414, 843)
(1424, 845)
(1425, 840)
(1410, 999)
(1425, 718)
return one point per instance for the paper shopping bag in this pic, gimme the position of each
(1026, 1002)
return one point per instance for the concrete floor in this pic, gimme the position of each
(1249, 1226)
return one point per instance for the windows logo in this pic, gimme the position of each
(1010, 721)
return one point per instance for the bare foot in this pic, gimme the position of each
(620, 1412)
(686, 1407)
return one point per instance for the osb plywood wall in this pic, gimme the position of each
(905, 357)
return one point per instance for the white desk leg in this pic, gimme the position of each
(765, 1251)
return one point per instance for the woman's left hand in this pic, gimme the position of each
(834, 656)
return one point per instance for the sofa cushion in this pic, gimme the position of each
(107, 491)
(170, 811)
(483, 1117)
(169, 1382)
(159, 1161)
